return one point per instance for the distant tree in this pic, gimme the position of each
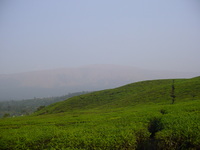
(39, 108)
(173, 92)
(6, 115)
(25, 112)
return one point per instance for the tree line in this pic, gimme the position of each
(25, 107)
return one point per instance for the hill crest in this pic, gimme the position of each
(151, 91)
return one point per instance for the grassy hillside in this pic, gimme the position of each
(157, 91)
(136, 116)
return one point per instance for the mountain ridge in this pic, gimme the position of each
(58, 82)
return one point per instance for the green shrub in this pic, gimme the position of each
(155, 125)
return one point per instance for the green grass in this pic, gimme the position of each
(135, 116)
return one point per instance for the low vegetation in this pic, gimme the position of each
(136, 116)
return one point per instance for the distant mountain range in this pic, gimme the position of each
(57, 82)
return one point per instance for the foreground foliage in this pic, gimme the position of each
(139, 125)
(127, 128)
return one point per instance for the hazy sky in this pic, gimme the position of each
(149, 34)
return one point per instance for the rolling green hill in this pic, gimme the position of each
(157, 91)
(137, 116)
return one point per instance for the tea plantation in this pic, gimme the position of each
(135, 116)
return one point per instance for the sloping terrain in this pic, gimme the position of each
(137, 116)
(131, 94)
(24, 107)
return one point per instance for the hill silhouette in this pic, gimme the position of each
(56, 82)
